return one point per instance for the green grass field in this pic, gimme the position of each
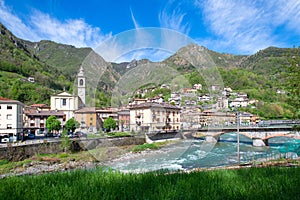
(250, 183)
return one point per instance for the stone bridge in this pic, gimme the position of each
(259, 135)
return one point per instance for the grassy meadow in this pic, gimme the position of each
(247, 183)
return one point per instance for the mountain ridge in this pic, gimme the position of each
(54, 67)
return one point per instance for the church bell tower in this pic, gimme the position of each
(81, 85)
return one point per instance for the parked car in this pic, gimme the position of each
(80, 134)
(49, 135)
(31, 136)
(5, 139)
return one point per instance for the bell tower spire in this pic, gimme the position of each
(81, 85)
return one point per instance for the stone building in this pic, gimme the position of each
(154, 117)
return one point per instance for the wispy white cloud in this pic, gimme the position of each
(73, 31)
(15, 24)
(173, 17)
(136, 25)
(287, 12)
(42, 26)
(239, 25)
(247, 26)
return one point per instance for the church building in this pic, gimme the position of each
(69, 103)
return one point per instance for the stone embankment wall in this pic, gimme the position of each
(17, 153)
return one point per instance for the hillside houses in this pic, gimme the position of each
(187, 108)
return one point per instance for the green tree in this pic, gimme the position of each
(109, 124)
(52, 124)
(65, 141)
(71, 124)
(293, 85)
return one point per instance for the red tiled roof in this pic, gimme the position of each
(5, 100)
(39, 105)
(45, 113)
(86, 110)
(153, 104)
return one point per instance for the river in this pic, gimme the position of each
(189, 154)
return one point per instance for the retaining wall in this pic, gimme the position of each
(17, 153)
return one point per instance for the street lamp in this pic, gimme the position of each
(238, 136)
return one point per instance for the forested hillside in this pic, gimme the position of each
(54, 67)
(17, 63)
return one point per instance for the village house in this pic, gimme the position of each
(35, 119)
(175, 98)
(246, 119)
(239, 102)
(190, 117)
(166, 86)
(30, 79)
(197, 86)
(124, 119)
(137, 101)
(214, 118)
(153, 117)
(88, 119)
(41, 107)
(216, 87)
(222, 103)
(157, 99)
(204, 98)
(188, 91)
(105, 113)
(11, 119)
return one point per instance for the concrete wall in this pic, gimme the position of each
(17, 153)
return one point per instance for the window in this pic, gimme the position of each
(9, 116)
(64, 102)
(81, 82)
(9, 126)
(9, 107)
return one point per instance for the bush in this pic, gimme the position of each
(119, 134)
(144, 147)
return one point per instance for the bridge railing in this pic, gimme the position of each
(267, 157)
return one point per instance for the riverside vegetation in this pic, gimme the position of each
(95, 157)
(248, 183)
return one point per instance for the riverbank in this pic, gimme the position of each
(48, 163)
(60, 162)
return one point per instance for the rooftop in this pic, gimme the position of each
(6, 100)
(154, 104)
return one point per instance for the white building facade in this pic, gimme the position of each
(11, 117)
(66, 102)
(151, 117)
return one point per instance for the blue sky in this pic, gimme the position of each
(230, 26)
